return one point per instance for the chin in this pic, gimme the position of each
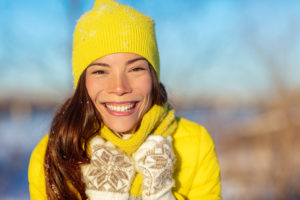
(120, 127)
(121, 130)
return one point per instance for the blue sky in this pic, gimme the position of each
(209, 47)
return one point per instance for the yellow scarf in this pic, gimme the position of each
(159, 120)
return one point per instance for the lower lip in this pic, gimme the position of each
(127, 113)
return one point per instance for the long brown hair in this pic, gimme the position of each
(73, 124)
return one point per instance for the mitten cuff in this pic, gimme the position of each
(96, 195)
(164, 194)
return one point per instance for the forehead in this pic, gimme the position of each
(119, 57)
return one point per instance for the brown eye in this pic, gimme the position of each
(98, 72)
(136, 69)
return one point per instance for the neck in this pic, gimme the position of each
(131, 131)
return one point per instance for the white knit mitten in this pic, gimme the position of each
(110, 173)
(154, 160)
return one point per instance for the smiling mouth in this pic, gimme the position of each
(120, 107)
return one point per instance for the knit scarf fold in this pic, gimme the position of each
(159, 120)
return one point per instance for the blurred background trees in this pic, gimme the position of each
(232, 66)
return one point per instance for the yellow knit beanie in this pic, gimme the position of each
(110, 28)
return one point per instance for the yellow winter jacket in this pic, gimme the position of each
(196, 175)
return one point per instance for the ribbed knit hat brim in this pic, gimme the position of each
(110, 28)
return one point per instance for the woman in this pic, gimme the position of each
(117, 137)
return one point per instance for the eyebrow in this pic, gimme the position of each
(127, 63)
(99, 63)
(134, 60)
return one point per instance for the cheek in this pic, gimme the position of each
(145, 89)
(92, 87)
(145, 86)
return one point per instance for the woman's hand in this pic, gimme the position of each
(154, 160)
(110, 173)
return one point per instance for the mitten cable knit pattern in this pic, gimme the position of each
(159, 120)
(154, 160)
(110, 173)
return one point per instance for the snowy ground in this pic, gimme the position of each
(19, 134)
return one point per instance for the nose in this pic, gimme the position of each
(119, 85)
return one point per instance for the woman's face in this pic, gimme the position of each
(120, 87)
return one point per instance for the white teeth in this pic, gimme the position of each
(120, 108)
